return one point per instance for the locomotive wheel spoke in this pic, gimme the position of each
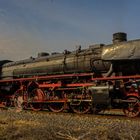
(81, 108)
(132, 109)
(36, 95)
(56, 107)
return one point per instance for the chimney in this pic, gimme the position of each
(119, 37)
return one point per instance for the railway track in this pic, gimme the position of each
(108, 114)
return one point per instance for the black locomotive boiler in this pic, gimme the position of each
(93, 79)
(79, 61)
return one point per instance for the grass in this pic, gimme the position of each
(50, 126)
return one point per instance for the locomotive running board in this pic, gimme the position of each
(117, 77)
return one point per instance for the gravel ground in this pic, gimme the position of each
(28, 125)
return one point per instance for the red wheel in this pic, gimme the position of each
(37, 96)
(132, 109)
(56, 107)
(80, 107)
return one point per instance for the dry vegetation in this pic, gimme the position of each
(48, 126)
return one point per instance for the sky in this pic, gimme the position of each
(31, 26)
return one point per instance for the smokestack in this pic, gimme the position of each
(119, 37)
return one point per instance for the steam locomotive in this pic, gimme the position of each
(85, 80)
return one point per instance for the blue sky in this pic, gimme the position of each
(31, 26)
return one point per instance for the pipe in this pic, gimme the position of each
(110, 71)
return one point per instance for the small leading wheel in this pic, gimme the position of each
(80, 107)
(56, 107)
(133, 108)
